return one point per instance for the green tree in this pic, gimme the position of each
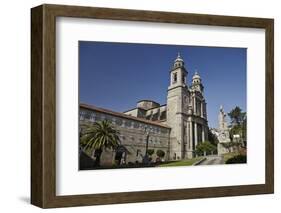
(205, 147)
(239, 125)
(99, 136)
(213, 139)
(236, 116)
(235, 130)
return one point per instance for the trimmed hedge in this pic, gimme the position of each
(237, 159)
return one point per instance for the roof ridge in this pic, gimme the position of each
(120, 114)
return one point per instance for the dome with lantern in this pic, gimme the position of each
(196, 79)
(178, 61)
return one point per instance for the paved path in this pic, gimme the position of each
(212, 160)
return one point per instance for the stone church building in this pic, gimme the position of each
(175, 127)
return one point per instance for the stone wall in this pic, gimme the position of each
(132, 136)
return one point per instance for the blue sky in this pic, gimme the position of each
(116, 75)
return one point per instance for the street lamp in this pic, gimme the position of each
(145, 159)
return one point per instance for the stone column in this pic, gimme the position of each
(205, 110)
(202, 114)
(194, 102)
(203, 133)
(195, 135)
(190, 136)
(206, 133)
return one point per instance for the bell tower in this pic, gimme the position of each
(178, 74)
(197, 83)
(177, 108)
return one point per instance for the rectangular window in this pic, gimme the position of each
(175, 78)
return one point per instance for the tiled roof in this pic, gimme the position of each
(122, 115)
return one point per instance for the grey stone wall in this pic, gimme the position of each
(132, 136)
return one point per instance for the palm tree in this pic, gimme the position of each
(99, 136)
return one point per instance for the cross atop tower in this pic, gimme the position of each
(179, 56)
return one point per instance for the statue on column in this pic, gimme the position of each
(222, 120)
(223, 133)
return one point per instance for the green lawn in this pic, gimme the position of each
(181, 163)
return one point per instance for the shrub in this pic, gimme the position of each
(150, 152)
(160, 153)
(205, 147)
(237, 159)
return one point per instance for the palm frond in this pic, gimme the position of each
(99, 135)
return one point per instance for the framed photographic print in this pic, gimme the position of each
(137, 106)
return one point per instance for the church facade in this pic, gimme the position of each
(175, 127)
